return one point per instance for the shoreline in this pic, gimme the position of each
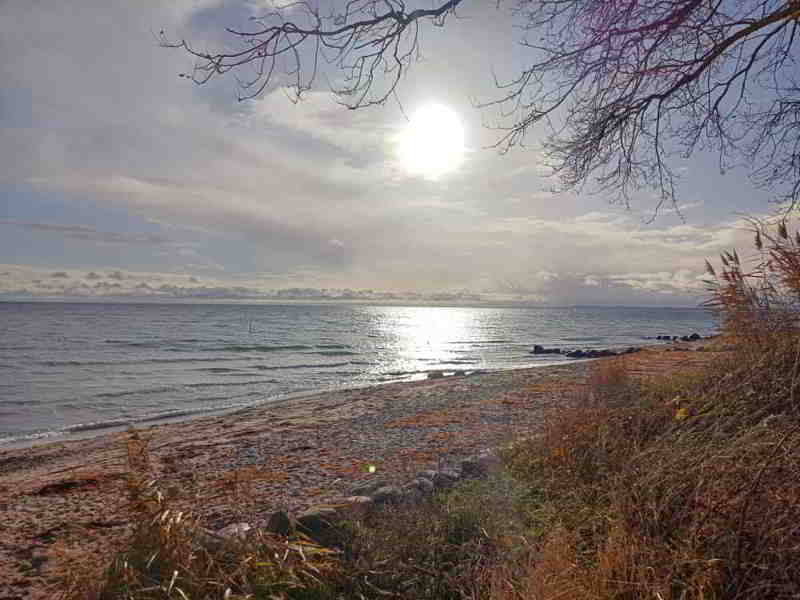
(65, 504)
(85, 431)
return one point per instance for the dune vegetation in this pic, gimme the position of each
(679, 486)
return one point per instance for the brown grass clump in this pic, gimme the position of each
(684, 488)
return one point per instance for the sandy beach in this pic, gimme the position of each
(64, 503)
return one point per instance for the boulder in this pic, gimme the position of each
(410, 494)
(388, 494)
(446, 478)
(367, 489)
(435, 375)
(695, 336)
(576, 354)
(320, 525)
(537, 349)
(472, 468)
(423, 485)
(429, 474)
(280, 523)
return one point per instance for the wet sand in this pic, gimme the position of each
(63, 504)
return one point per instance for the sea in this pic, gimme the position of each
(78, 369)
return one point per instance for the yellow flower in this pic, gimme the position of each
(371, 469)
(681, 414)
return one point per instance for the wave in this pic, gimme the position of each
(300, 366)
(332, 346)
(144, 392)
(260, 348)
(231, 383)
(479, 342)
(93, 363)
(334, 353)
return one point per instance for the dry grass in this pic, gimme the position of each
(686, 487)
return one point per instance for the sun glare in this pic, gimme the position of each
(432, 143)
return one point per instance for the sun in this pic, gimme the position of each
(432, 144)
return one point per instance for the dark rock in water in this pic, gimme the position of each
(602, 353)
(537, 349)
(576, 354)
(695, 336)
(435, 375)
(630, 350)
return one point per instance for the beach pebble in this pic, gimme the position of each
(234, 530)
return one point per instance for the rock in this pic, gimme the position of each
(234, 530)
(367, 489)
(208, 539)
(430, 474)
(631, 350)
(695, 336)
(459, 373)
(281, 523)
(487, 460)
(537, 349)
(446, 478)
(423, 485)
(358, 503)
(576, 354)
(471, 468)
(410, 494)
(435, 375)
(319, 524)
(388, 494)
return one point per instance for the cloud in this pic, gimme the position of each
(84, 232)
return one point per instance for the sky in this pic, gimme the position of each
(118, 178)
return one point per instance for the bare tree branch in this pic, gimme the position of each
(624, 87)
